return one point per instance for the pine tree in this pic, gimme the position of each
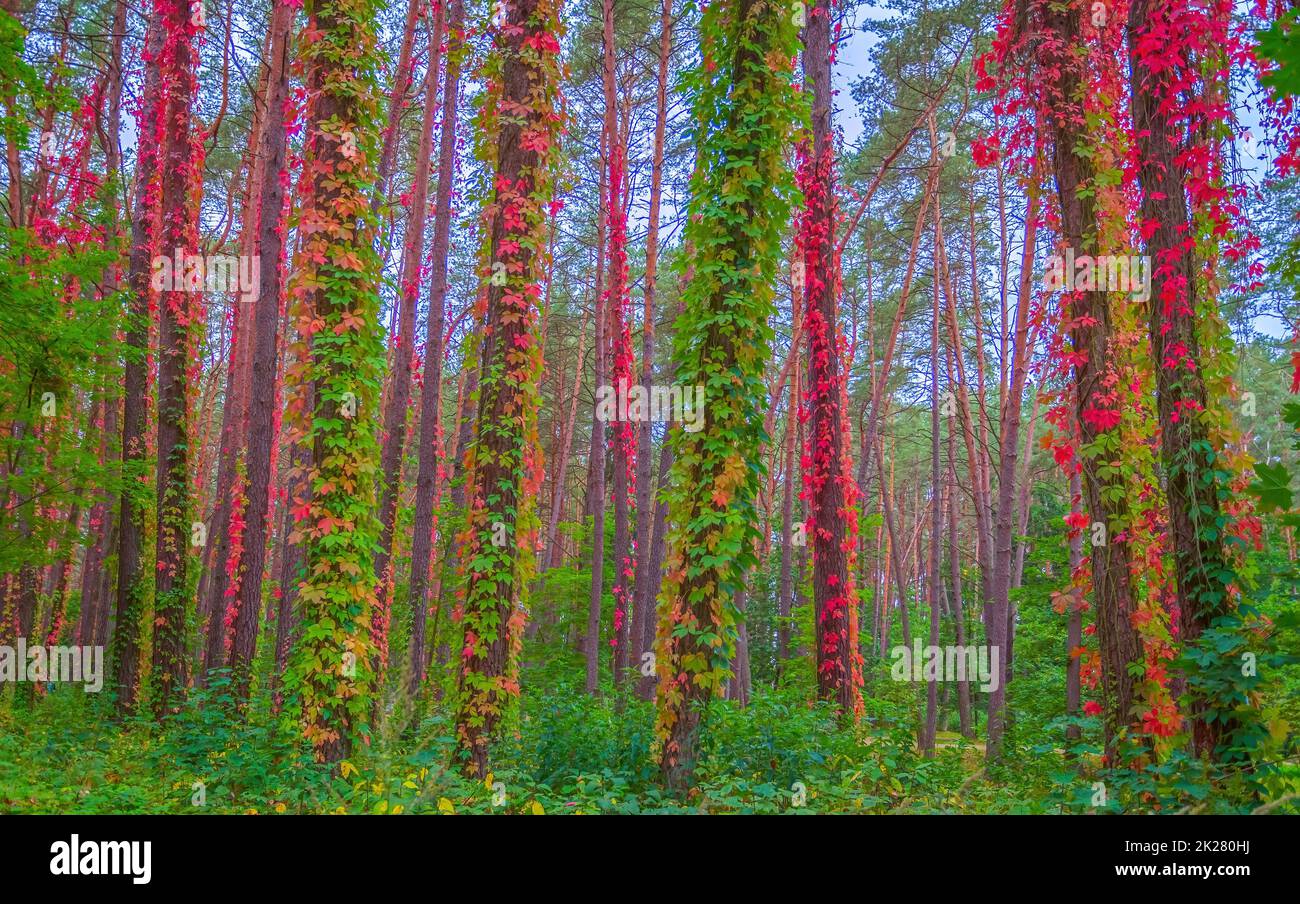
(520, 121)
(328, 679)
(740, 199)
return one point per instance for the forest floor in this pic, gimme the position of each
(570, 753)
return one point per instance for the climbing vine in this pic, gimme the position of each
(181, 320)
(339, 354)
(521, 118)
(741, 194)
(828, 484)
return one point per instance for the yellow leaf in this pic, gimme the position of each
(397, 809)
(487, 782)
(445, 806)
(345, 768)
(537, 809)
(410, 784)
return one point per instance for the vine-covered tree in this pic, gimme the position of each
(740, 192)
(520, 121)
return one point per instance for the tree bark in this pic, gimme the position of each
(1091, 341)
(503, 460)
(426, 482)
(958, 603)
(398, 398)
(830, 488)
(643, 616)
(998, 613)
(622, 436)
(596, 458)
(265, 338)
(1189, 455)
(131, 529)
(936, 513)
(181, 171)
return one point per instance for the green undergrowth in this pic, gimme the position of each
(571, 753)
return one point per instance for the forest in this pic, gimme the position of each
(649, 406)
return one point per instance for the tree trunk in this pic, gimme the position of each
(1091, 341)
(936, 515)
(398, 398)
(426, 482)
(958, 603)
(830, 489)
(785, 590)
(658, 550)
(181, 171)
(265, 338)
(620, 345)
(553, 548)
(328, 676)
(1074, 628)
(747, 104)
(1191, 458)
(998, 613)
(596, 459)
(643, 612)
(131, 519)
(503, 461)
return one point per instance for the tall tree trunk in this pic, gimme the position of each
(996, 628)
(646, 578)
(215, 591)
(958, 603)
(897, 554)
(1163, 82)
(289, 566)
(1091, 338)
(936, 515)
(94, 599)
(265, 339)
(336, 292)
(503, 461)
(1074, 627)
(553, 546)
(785, 587)
(620, 343)
(596, 458)
(830, 489)
(399, 389)
(426, 481)
(131, 594)
(741, 681)
(745, 110)
(658, 550)
(178, 321)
